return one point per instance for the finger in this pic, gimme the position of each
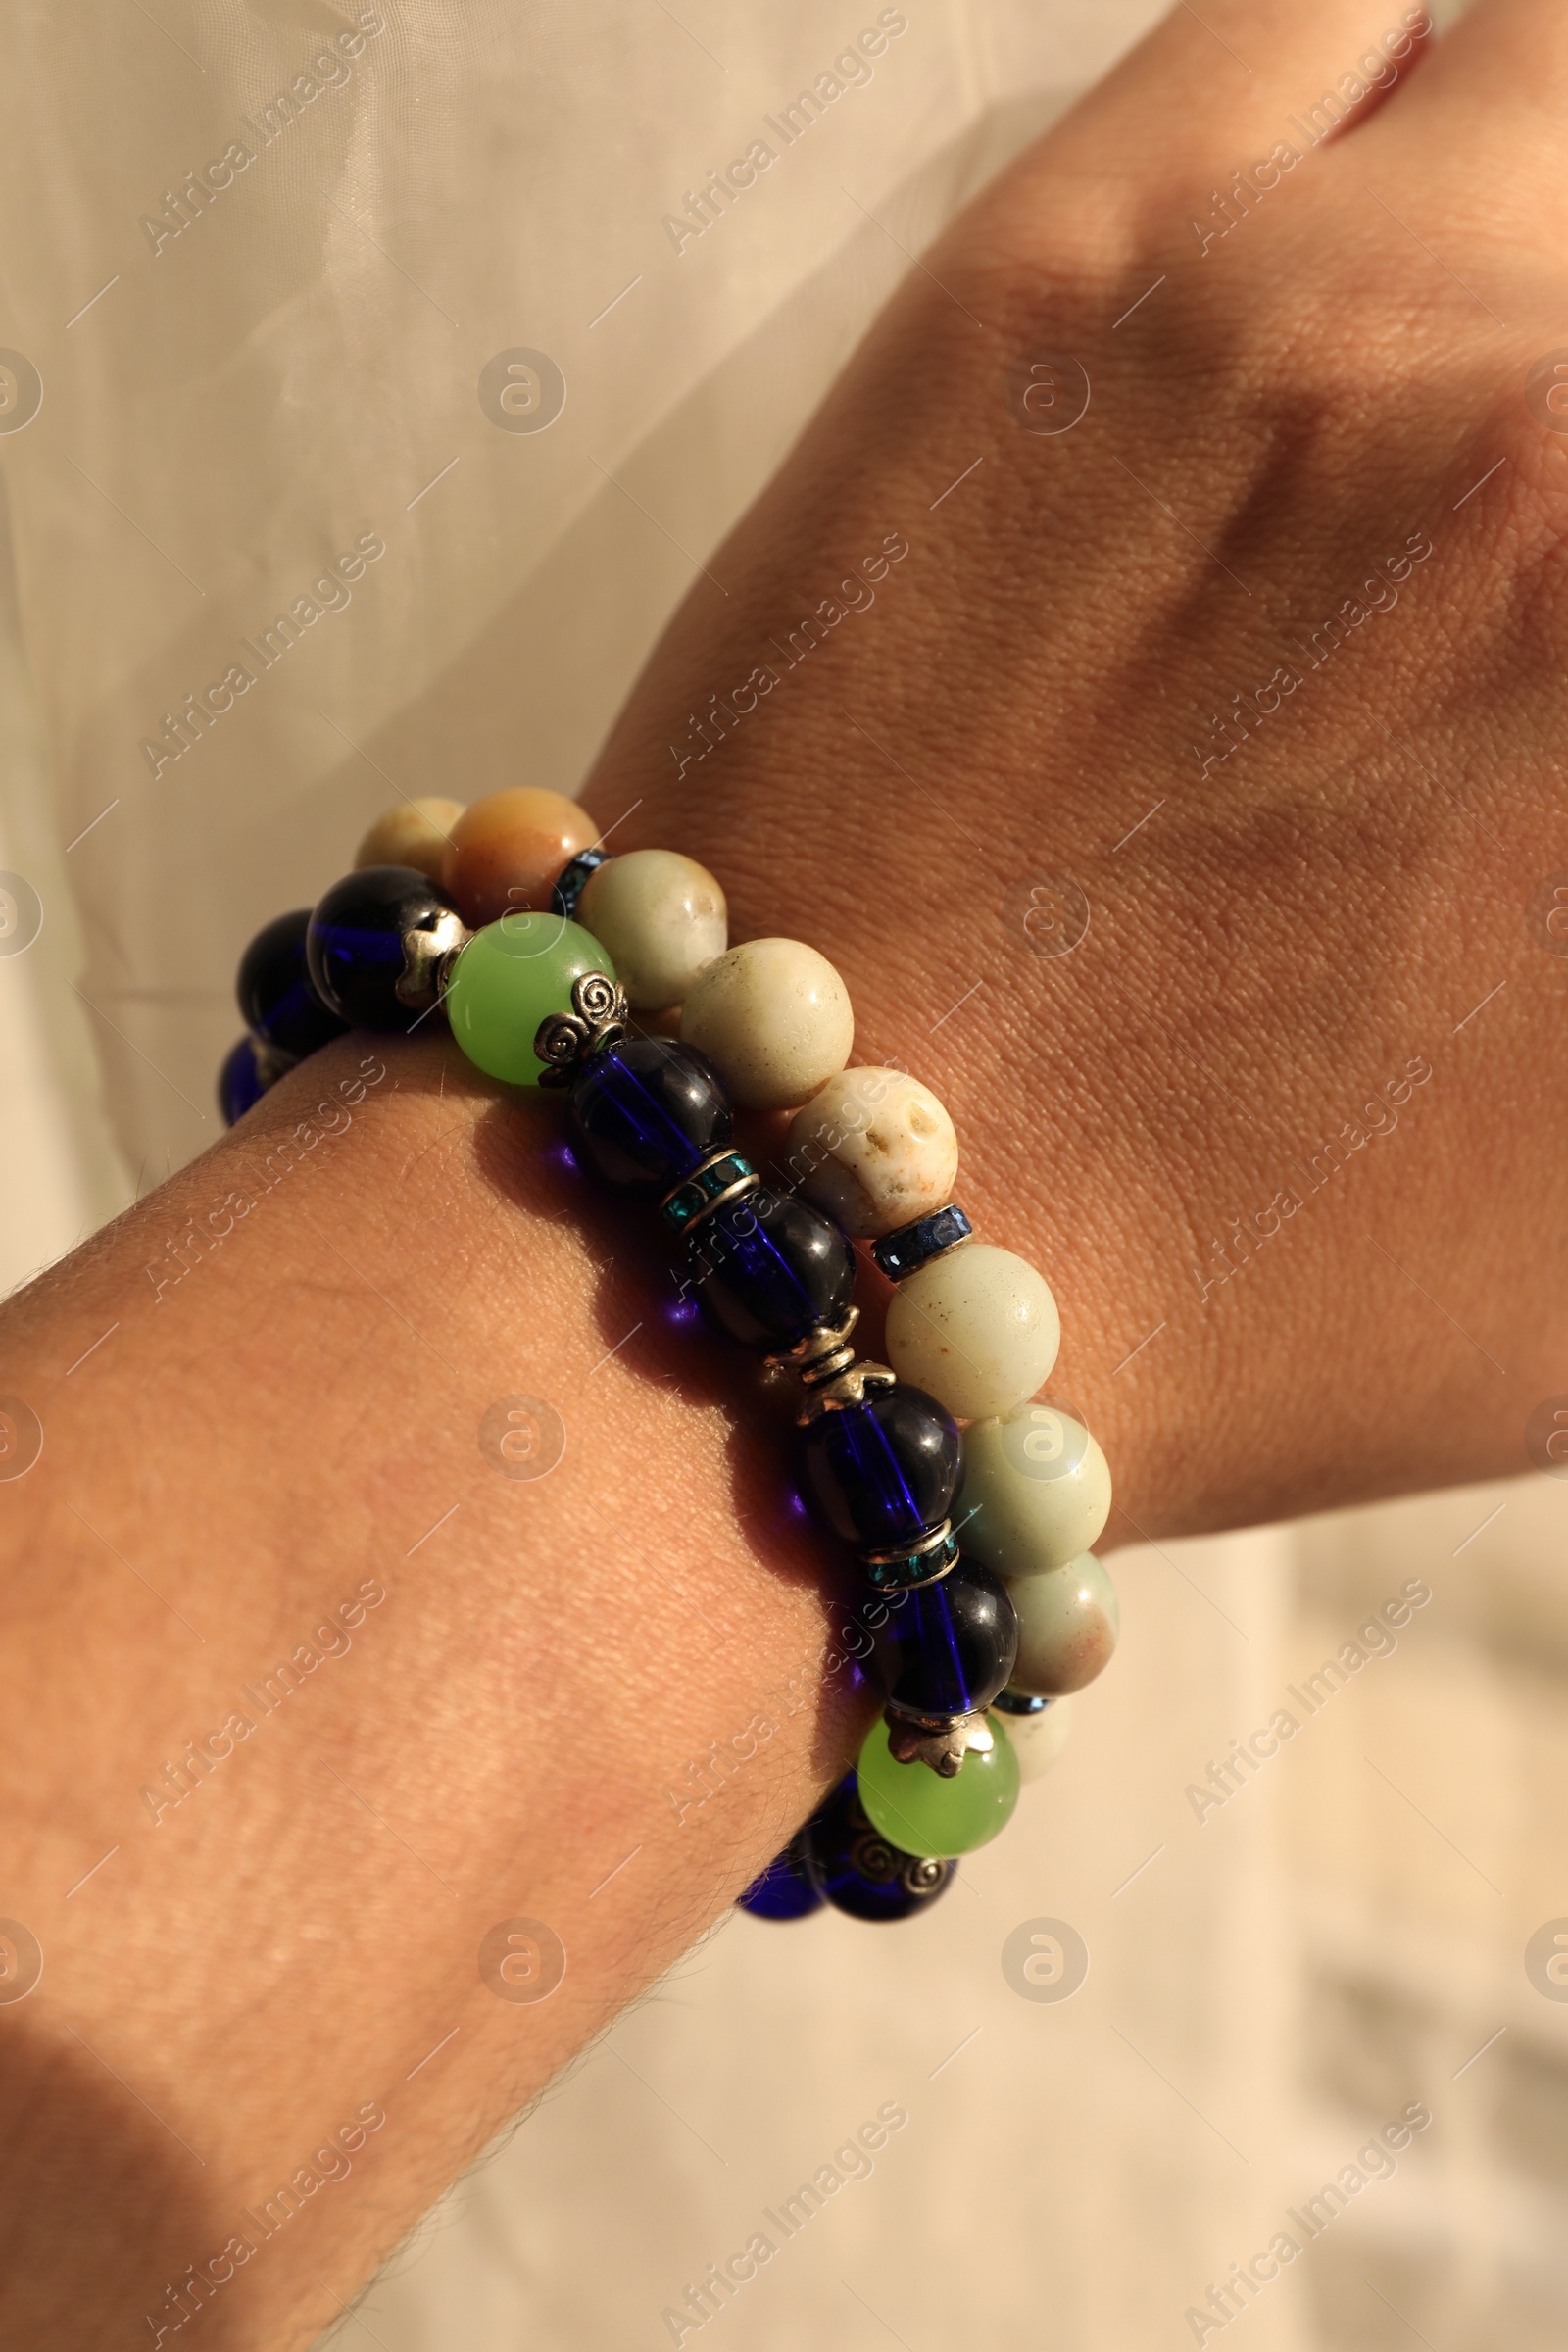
(1220, 82)
(1503, 66)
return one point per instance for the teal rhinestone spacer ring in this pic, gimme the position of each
(925, 1563)
(724, 1175)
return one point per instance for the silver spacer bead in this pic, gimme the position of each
(427, 960)
(597, 1017)
(821, 1355)
(842, 1389)
(940, 1741)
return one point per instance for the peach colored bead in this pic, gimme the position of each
(506, 850)
(414, 833)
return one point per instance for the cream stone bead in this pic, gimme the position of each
(1038, 1740)
(1069, 1625)
(1036, 1491)
(414, 833)
(661, 916)
(774, 1018)
(874, 1147)
(977, 1327)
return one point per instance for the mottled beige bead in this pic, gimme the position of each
(1069, 1622)
(774, 1018)
(873, 1147)
(1036, 1491)
(1038, 1740)
(414, 833)
(977, 1327)
(663, 918)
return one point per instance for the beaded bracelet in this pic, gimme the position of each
(539, 945)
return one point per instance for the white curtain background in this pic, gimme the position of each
(239, 386)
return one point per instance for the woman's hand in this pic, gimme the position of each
(1144, 679)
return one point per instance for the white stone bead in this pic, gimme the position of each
(414, 833)
(1036, 1491)
(1068, 1626)
(776, 1019)
(1038, 1740)
(977, 1327)
(873, 1147)
(661, 916)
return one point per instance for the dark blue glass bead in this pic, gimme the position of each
(276, 998)
(354, 946)
(572, 880)
(240, 1083)
(645, 1111)
(783, 1890)
(768, 1269)
(856, 1869)
(883, 1473)
(914, 1246)
(947, 1649)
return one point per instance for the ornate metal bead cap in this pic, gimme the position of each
(598, 1019)
(940, 1741)
(925, 1563)
(824, 1353)
(836, 1392)
(724, 1175)
(427, 960)
(824, 1363)
(887, 1865)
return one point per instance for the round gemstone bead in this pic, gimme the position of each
(926, 1814)
(511, 976)
(875, 1148)
(883, 1473)
(276, 998)
(240, 1084)
(355, 944)
(860, 1872)
(645, 1111)
(784, 1890)
(977, 1326)
(507, 851)
(768, 1269)
(1039, 1737)
(947, 1649)
(774, 1018)
(1069, 1625)
(1036, 1491)
(662, 918)
(414, 833)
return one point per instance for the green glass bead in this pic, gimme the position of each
(921, 1813)
(511, 976)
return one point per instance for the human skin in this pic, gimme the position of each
(1349, 891)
